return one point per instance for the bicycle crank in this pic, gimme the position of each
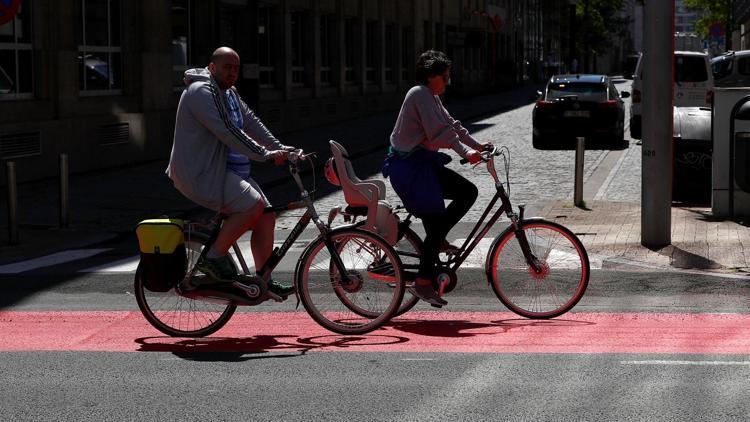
(446, 280)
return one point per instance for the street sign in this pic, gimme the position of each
(716, 30)
(8, 10)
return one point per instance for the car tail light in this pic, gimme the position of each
(546, 104)
(608, 104)
(710, 98)
(636, 96)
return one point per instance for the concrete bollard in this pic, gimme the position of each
(578, 187)
(10, 167)
(64, 202)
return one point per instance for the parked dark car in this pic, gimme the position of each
(579, 105)
(692, 155)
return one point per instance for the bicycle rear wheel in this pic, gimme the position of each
(548, 293)
(177, 315)
(363, 303)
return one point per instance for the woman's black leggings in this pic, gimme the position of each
(462, 194)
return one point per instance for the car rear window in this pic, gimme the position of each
(583, 90)
(722, 67)
(690, 69)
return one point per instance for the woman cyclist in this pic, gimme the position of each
(417, 169)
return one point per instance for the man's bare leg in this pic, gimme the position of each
(261, 242)
(234, 227)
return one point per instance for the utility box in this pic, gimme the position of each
(691, 182)
(730, 175)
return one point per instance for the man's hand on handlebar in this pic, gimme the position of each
(279, 156)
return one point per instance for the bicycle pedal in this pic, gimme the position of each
(436, 306)
(275, 297)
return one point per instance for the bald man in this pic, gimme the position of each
(216, 135)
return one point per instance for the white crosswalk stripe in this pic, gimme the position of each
(49, 260)
(129, 264)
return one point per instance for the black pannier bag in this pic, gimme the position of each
(163, 257)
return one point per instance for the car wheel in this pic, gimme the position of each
(537, 142)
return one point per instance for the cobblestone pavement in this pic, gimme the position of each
(535, 176)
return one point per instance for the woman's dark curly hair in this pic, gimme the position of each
(431, 63)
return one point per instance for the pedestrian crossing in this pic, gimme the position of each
(109, 262)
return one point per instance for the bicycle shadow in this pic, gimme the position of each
(226, 349)
(465, 328)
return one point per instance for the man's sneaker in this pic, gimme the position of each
(428, 294)
(220, 269)
(447, 248)
(280, 289)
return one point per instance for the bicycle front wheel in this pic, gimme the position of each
(556, 287)
(177, 315)
(362, 301)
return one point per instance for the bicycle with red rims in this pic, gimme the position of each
(537, 268)
(333, 277)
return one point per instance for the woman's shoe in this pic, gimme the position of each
(428, 294)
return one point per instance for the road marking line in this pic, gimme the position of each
(612, 173)
(127, 265)
(563, 259)
(49, 260)
(686, 362)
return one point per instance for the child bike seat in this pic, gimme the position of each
(369, 194)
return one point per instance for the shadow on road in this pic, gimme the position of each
(218, 349)
(460, 328)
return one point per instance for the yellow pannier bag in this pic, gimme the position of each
(163, 258)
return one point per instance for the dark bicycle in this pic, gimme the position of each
(333, 278)
(537, 268)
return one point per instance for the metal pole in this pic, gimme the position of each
(64, 203)
(656, 188)
(12, 203)
(578, 190)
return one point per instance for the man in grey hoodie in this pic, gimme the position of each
(216, 135)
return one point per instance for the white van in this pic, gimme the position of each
(693, 85)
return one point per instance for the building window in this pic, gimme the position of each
(99, 51)
(266, 68)
(371, 49)
(350, 50)
(407, 55)
(16, 63)
(390, 53)
(182, 27)
(298, 49)
(326, 47)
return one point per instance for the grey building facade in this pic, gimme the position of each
(99, 80)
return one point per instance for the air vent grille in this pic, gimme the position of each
(113, 134)
(20, 144)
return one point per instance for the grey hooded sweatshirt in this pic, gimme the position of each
(204, 133)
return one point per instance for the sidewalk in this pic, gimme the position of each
(105, 204)
(611, 233)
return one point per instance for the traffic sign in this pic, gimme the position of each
(8, 10)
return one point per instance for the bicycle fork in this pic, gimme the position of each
(523, 241)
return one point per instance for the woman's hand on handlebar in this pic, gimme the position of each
(473, 157)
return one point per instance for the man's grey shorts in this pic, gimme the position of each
(241, 195)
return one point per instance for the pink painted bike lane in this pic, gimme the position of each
(469, 332)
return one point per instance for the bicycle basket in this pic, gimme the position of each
(163, 257)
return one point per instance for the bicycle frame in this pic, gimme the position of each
(474, 238)
(278, 253)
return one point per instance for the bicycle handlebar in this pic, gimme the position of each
(486, 155)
